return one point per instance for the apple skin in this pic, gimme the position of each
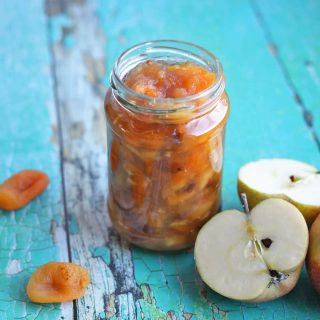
(310, 213)
(313, 257)
(277, 291)
(284, 287)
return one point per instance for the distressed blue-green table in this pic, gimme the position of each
(55, 57)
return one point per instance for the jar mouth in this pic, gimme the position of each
(174, 50)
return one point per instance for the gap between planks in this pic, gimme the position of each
(307, 115)
(60, 144)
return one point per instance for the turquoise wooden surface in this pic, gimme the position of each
(53, 64)
(296, 49)
(28, 237)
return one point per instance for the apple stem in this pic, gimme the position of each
(294, 178)
(244, 202)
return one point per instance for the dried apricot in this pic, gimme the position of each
(21, 188)
(58, 282)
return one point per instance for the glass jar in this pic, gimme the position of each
(165, 154)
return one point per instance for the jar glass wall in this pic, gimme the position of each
(165, 154)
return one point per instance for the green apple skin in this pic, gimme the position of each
(254, 197)
(283, 288)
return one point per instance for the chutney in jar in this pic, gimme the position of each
(166, 112)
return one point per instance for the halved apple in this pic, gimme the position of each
(254, 256)
(291, 180)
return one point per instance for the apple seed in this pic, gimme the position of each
(267, 242)
(294, 178)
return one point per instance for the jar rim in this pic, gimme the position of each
(116, 79)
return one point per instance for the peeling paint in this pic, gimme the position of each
(57, 24)
(54, 137)
(77, 130)
(109, 307)
(28, 128)
(101, 252)
(76, 43)
(58, 234)
(13, 267)
(139, 284)
(148, 307)
(73, 224)
(69, 42)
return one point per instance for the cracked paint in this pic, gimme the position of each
(13, 267)
(172, 278)
(133, 283)
(84, 161)
(73, 224)
(173, 283)
(101, 252)
(25, 142)
(157, 286)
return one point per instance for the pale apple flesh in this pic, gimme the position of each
(253, 257)
(294, 181)
(313, 257)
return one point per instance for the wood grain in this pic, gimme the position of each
(265, 121)
(78, 55)
(293, 34)
(81, 39)
(35, 234)
(114, 266)
(164, 285)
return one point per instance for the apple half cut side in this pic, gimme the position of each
(256, 256)
(291, 180)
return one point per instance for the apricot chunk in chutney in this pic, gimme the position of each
(58, 282)
(164, 80)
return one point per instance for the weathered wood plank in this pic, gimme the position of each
(77, 45)
(293, 31)
(35, 234)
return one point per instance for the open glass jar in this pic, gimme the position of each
(165, 154)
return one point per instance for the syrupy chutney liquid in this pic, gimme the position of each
(165, 168)
(163, 80)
